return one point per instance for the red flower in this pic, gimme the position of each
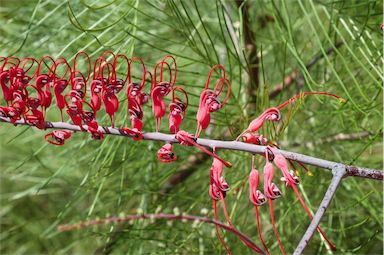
(271, 114)
(291, 180)
(161, 89)
(136, 96)
(257, 199)
(209, 100)
(165, 154)
(58, 137)
(177, 110)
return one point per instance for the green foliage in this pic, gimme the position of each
(43, 186)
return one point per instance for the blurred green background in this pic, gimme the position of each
(333, 46)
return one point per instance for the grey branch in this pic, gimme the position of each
(338, 173)
(227, 145)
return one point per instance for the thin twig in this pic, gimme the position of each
(228, 145)
(338, 173)
(181, 217)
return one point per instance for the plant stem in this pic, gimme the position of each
(338, 174)
(181, 217)
(228, 145)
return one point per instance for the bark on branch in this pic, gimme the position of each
(225, 145)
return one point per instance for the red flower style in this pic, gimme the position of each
(209, 99)
(161, 89)
(44, 82)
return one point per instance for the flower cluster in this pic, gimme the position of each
(30, 86)
(258, 198)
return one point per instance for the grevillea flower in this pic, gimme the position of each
(271, 114)
(165, 154)
(58, 137)
(257, 198)
(209, 100)
(161, 88)
(133, 133)
(136, 96)
(218, 188)
(177, 110)
(74, 107)
(89, 119)
(98, 83)
(35, 118)
(255, 139)
(291, 180)
(271, 192)
(61, 83)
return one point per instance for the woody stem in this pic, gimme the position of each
(228, 145)
(172, 217)
(338, 173)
